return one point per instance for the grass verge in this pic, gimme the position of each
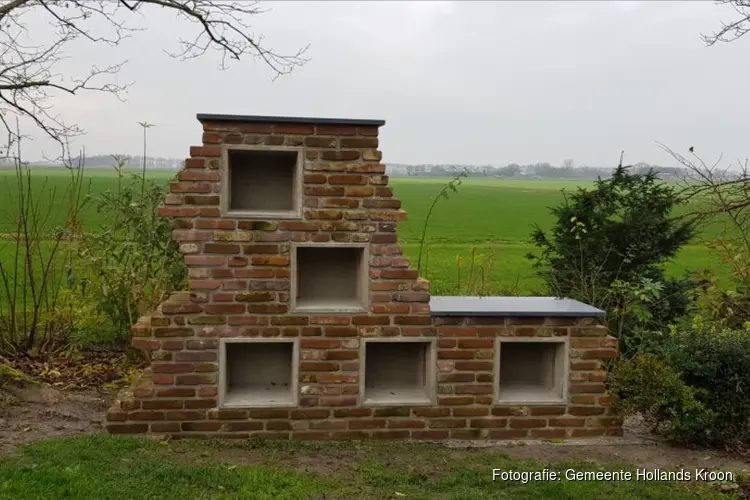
(107, 467)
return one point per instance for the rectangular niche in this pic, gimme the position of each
(398, 371)
(330, 278)
(262, 182)
(531, 370)
(258, 373)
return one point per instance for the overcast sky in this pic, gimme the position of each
(457, 82)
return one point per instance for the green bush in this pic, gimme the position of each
(133, 261)
(596, 252)
(649, 387)
(716, 362)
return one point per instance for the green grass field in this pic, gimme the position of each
(487, 217)
(110, 467)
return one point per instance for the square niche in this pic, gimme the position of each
(531, 370)
(262, 182)
(398, 372)
(258, 373)
(330, 278)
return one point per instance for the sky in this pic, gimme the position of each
(456, 82)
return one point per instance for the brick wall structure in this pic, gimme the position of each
(245, 307)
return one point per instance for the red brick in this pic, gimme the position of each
(185, 415)
(309, 414)
(599, 354)
(584, 411)
(455, 377)
(201, 426)
(342, 355)
(318, 366)
(171, 367)
(586, 343)
(412, 320)
(160, 379)
(278, 425)
(431, 412)
(346, 179)
(398, 274)
(586, 388)
(315, 178)
(196, 379)
(474, 411)
(458, 332)
(367, 424)
(455, 400)
(527, 423)
(199, 404)
(371, 320)
(397, 423)
(339, 155)
(566, 422)
(324, 191)
(456, 354)
(207, 392)
(319, 344)
(337, 378)
(606, 400)
(432, 434)
(269, 261)
(487, 423)
(335, 130)
(340, 203)
(165, 427)
(254, 296)
(294, 129)
(584, 365)
(230, 415)
(358, 142)
(476, 343)
(339, 401)
(225, 308)
(546, 410)
(270, 414)
(390, 309)
(375, 203)
(358, 191)
(195, 163)
(583, 399)
(474, 365)
(267, 308)
(340, 331)
(243, 426)
(320, 142)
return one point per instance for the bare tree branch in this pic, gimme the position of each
(730, 32)
(29, 77)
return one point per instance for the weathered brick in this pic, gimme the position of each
(358, 142)
(527, 423)
(243, 289)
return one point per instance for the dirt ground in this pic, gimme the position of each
(38, 412)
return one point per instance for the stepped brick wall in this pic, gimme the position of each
(314, 295)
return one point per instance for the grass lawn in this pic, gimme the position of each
(107, 467)
(487, 217)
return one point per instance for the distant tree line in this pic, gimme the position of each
(541, 170)
(130, 161)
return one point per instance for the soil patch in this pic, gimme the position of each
(36, 412)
